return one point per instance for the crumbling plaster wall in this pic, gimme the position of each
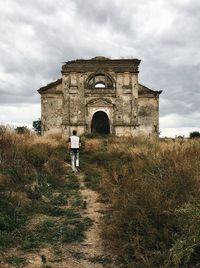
(52, 111)
(126, 104)
(74, 103)
(71, 104)
(148, 114)
(99, 99)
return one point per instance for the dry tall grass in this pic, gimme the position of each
(154, 190)
(153, 187)
(23, 158)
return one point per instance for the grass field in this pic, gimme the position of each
(40, 201)
(152, 187)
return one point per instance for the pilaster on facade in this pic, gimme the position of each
(99, 95)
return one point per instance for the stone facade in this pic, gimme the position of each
(99, 95)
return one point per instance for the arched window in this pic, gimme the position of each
(100, 81)
(100, 85)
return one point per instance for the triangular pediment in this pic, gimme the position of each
(100, 102)
(54, 87)
(143, 90)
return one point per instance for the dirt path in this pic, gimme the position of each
(91, 251)
(93, 245)
(88, 254)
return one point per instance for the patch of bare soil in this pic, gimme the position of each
(91, 252)
(92, 247)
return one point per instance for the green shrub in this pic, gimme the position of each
(37, 126)
(59, 200)
(72, 234)
(36, 206)
(22, 130)
(194, 134)
(17, 261)
(92, 180)
(33, 194)
(31, 242)
(6, 239)
(68, 212)
(77, 201)
(75, 230)
(11, 217)
(72, 183)
(47, 231)
(50, 231)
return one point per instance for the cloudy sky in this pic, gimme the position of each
(37, 36)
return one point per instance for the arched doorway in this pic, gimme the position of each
(100, 123)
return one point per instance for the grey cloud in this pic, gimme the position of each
(14, 99)
(109, 14)
(38, 36)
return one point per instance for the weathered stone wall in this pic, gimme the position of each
(98, 99)
(126, 103)
(52, 111)
(148, 114)
(71, 102)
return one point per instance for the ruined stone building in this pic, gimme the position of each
(99, 95)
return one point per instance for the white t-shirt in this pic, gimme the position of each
(74, 140)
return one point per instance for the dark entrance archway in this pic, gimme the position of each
(100, 123)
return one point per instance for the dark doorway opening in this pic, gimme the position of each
(100, 123)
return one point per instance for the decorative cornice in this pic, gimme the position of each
(56, 92)
(69, 124)
(103, 101)
(126, 125)
(100, 92)
(94, 64)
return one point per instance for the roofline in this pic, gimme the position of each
(50, 85)
(102, 59)
(90, 65)
(155, 92)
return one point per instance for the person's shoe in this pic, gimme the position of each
(78, 169)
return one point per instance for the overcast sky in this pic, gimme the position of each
(37, 36)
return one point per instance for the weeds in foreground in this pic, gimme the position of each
(17, 261)
(34, 180)
(59, 200)
(92, 180)
(153, 188)
(52, 231)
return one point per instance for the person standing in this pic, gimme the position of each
(73, 148)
